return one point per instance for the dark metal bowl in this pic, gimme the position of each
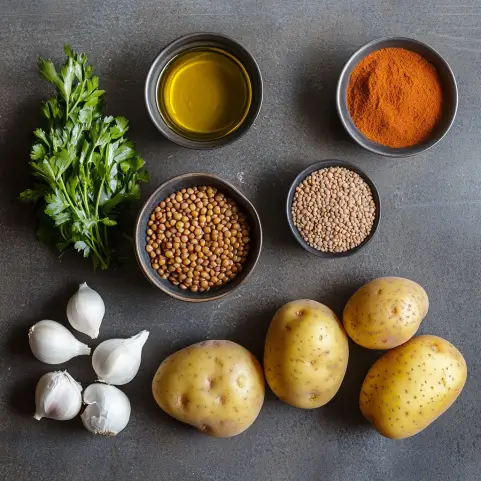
(196, 40)
(450, 91)
(324, 165)
(182, 182)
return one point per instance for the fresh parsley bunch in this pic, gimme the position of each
(85, 168)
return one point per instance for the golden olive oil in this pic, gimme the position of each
(204, 93)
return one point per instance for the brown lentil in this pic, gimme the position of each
(333, 209)
(190, 239)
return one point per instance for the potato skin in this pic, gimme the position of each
(409, 387)
(216, 386)
(385, 312)
(306, 354)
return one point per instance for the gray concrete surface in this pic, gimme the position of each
(430, 232)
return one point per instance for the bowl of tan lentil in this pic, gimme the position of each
(333, 209)
(197, 238)
(397, 96)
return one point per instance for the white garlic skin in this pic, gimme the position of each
(86, 310)
(108, 409)
(53, 343)
(57, 396)
(117, 361)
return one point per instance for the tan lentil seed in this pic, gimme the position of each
(333, 209)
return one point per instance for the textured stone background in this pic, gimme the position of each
(429, 232)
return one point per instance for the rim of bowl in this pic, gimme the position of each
(150, 273)
(378, 148)
(324, 164)
(181, 44)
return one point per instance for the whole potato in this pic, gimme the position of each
(385, 312)
(216, 386)
(409, 387)
(306, 354)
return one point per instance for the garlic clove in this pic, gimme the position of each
(86, 310)
(53, 343)
(57, 396)
(117, 361)
(108, 409)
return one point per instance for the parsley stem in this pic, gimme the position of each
(103, 262)
(106, 237)
(85, 198)
(98, 197)
(97, 202)
(67, 196)
(79, 97)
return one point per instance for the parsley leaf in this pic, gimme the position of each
(85, 168)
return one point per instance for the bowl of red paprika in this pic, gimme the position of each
(397, 97)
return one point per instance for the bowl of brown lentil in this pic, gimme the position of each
(333, 209)
(197, 237)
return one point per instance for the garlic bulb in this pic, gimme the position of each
(107, 411)
(52, 343)
(117, 361)
(58, 396)
(85, 311)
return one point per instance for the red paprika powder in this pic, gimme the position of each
(395, 97)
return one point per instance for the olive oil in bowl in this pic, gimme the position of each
(204, 94)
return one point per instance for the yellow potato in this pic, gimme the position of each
(385, 312)
(306, 354)
(216, 386)
(409, 387)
